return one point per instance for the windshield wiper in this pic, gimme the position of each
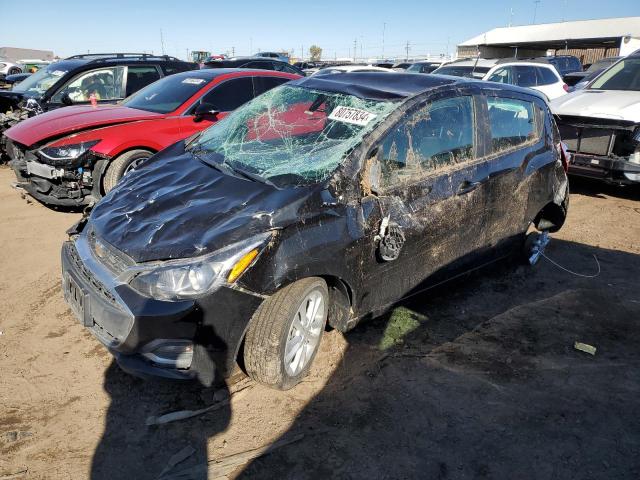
(227, 169)
(253, 176)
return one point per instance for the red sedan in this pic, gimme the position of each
(74, 155)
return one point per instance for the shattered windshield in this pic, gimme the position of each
(291, 135)
(37, 84)
(624, 75)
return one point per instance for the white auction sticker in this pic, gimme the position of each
(193, 81)
(58, 73)
(351, 115)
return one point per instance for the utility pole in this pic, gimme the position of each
(407, 50)
(355, 48)
(384, 27)
(162, 41)
(535, 10)
(233, 51)
(302, 53)
(511, 17)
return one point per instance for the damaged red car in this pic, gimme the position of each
(242, 244)
(72, 156)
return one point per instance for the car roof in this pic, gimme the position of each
(377, 85)
(481, 62)
(212, 73)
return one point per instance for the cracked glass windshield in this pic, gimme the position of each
(291, 135)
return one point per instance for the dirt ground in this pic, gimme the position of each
(476, 379)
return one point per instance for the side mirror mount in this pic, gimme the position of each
(66, 100)
(205, 110)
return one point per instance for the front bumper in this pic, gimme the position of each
(128, 323)
(52, 191)
(610, 170)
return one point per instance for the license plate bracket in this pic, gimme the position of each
(76, 297)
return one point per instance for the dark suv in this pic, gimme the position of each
(253, 62)
(327, 199)
(564, 63)
(77, 80)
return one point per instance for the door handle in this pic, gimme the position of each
(467, 186)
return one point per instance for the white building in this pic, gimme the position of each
(591, 39)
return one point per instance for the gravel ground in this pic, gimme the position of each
(477, 379)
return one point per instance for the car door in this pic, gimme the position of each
(426, 180)
(514, 129)
(225, 97)
(549, 82)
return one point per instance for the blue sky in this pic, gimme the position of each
(70, 26)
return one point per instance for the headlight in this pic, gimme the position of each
(194, 277)
(66, 152)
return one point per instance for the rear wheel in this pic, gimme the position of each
(285, 332)
(122, 165)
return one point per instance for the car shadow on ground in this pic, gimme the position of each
(481, 379)
(129, 448)
(599, 189)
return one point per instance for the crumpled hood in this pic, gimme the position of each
(176, 206)
(610, 104)
(68, 120)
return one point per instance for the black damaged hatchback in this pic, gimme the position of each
(324, 201)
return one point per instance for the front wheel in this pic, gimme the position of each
(122, 165)
(285, 332)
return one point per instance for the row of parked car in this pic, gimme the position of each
(245, 210)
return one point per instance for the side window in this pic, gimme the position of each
(230, 94)
(171, 69)
(262, 84)
(103, 84)
(437, 136)
(502, 75)
(139, 77)
(512, 123)
(546, 76)
(525, 76)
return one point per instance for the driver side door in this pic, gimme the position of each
(106, 84)
(428, 180)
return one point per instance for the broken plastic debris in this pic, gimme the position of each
(584, 347)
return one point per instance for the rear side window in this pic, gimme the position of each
(283, 67)
(262, 84)
(230, 94)
(437, 136)
(525, 76)
(513, 123)
(546, 76)
(171, 69)
(140, 77)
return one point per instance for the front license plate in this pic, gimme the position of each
(75, 297)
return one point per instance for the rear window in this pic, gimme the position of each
(513, 123)
(461, 71)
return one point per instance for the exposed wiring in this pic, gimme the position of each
(571, 272)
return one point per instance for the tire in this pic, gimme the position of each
(272, 330)
(118, 167)
(14, 71)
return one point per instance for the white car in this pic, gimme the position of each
(542, 77)
(9, 68)
(352, 68)
(601, 124)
